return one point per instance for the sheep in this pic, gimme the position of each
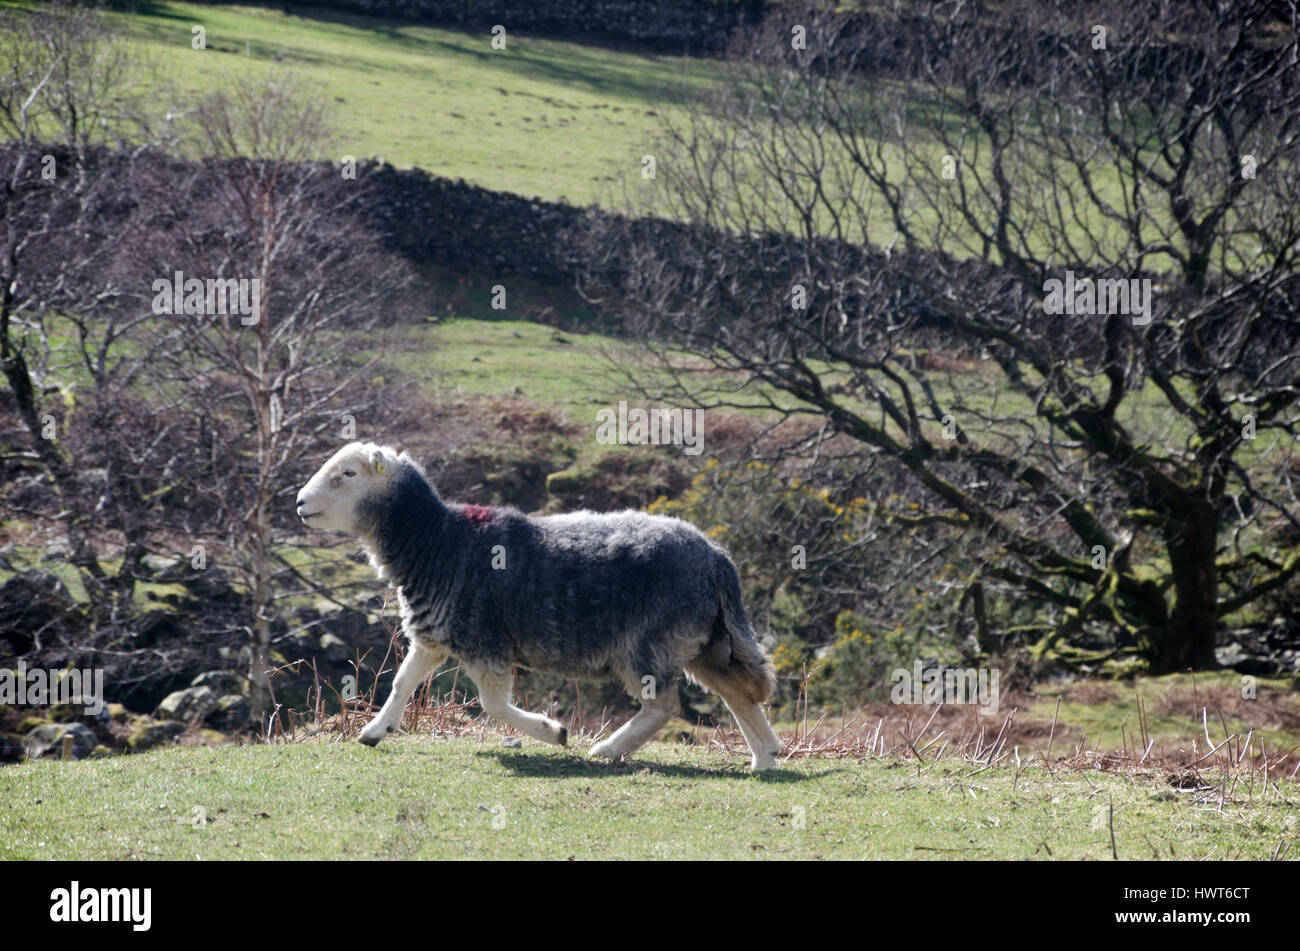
(628, 596)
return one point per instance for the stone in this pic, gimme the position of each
(157, 564)
(76, 709)
(34, 601)
(151, 733)
(221, 682)
(190, 704)
(47, 741)
(347, 624)
(1229, 655)
(334, 647)
(231, 713)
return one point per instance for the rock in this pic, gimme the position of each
(304, 644)
(350, 625)
(564, 483)
(1247, 659)
(157, 564)
(221, 682)
(231, 713)
(334, 647)
(212, 586)
(511, 742)
(1229, 655)
(34, 601)
(47, 741)
(307, 615)
(157, 626)
(192, 703)
(78, 710)
(151, 733)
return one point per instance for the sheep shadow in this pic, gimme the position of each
(522, 764)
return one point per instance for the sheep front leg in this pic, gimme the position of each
(419, 663)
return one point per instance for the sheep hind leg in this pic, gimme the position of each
(632, 735)
(495, 695)
(758, 733)
(738, 692)
(419, 663)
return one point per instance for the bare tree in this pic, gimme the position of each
(878, 235)
(75, 125)
(260, 257)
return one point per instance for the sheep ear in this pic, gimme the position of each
(377, 462)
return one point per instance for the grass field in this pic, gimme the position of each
(515, 358)
(430, 797)
(543, 117)
(548, 118)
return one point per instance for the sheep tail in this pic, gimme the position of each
(733, 653)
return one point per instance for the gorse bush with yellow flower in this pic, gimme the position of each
(856, 667)
(825, 586)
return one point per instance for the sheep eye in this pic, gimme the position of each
(349, 473)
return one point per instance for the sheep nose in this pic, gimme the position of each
(300, 503)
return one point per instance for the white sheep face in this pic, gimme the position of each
(357, 471)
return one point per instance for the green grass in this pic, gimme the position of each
(512, 358)
(551, 118)
(425, 797)
(544, 117)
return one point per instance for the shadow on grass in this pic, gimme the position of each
(523, 764)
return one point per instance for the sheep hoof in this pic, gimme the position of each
(371, 736)
(605, 751)
(564, 736)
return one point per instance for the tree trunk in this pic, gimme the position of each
(259, 693)
(1188, 640)
(23, 388)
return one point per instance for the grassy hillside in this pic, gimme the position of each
(428, 797)
(543, 117)
(515, 358)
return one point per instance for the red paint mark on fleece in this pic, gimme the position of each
(479, 514)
